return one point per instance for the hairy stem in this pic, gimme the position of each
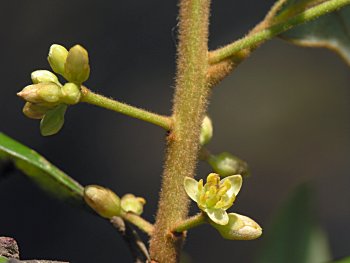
(254, 39)
(190, 102)
(98, 100)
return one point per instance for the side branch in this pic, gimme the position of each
(252, 40)
(138, 221)
(98, 100)
(190, 223)
(137, 247)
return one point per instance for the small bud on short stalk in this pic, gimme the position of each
(102, 200)
(226, 164)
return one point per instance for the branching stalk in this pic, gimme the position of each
(98, 100)
(189, 223)
(254, 39)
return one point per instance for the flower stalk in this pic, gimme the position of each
(138, 221)
(189, 223)
(90, 97)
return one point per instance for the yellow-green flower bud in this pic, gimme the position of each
(239, 227)
(39, 76)
(131, 203)
(46, 92)
(30, 93)
(49, 92)
(34, 111)
(57, 57)
(226, 164)
(70, 93)
(77, 68)
(102, 200)
(206, 131)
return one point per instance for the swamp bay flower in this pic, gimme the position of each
(215, 196)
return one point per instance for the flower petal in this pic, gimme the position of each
(236, 184)
(218, 216)
(191, 188)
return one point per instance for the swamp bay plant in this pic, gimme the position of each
(189, 129)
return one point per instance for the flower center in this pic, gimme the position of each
(213, 194)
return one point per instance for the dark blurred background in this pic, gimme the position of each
(286, 111)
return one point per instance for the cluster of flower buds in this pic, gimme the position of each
(107, 204)
(214, 198)
(47, 98)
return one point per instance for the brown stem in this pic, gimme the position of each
(190, 102)
(137, 247)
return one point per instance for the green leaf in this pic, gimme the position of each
(330, 31)
(38, 169)
(53, 120)
(343, 260)
(3, 259)
(295, 235)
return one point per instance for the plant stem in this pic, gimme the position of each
(218, 71)
(95, 99)
(190, 223)
(268, 33)
(190, 102)
(137, 248)
(274, 10)
(138, 221)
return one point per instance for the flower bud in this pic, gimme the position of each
(34, 111)
(30, 93)
(57, 57)
(39, 76)
(239, 227)
(102, 200)
(226, 164)
(46, 92)
(131, 203)
(70, 93)
(76, 68)
(206, 131)
(49, 92)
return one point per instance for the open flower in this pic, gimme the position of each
(215, 196)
